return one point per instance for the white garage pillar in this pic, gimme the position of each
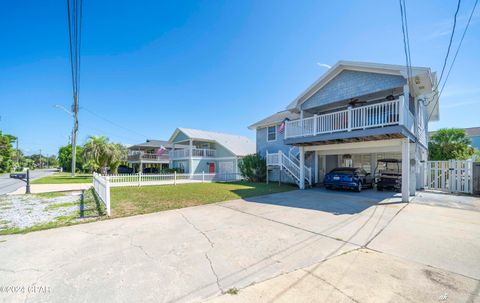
(302, 168)
(413, 168)
(405, 170)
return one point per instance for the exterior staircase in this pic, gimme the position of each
(291, 165)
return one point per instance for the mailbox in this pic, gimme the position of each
(18, 175)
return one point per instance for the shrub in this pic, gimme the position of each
(172, 170)
(253, 168)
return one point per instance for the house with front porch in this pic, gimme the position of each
(208, 152)
(151, 155)
(353, 115)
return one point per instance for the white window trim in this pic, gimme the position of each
(275, 133)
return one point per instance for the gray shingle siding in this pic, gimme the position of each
(272, 146)
(350, 84)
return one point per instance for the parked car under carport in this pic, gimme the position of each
(349, 178)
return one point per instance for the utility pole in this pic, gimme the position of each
(18, 154)
(74, 133)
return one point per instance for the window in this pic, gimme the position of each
(272, 133)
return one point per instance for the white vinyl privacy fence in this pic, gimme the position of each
(103, 183)
(455, 176)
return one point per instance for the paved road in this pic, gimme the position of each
(8, 185)
(335, 246)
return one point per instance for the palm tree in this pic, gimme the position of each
(118, 154)
(98, 150)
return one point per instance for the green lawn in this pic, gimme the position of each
(62, 178)
(127, 201)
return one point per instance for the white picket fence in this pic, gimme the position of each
(103, 183)
(454, 176)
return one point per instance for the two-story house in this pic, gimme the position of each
(353, 115)
(151, 155)
(208, 152)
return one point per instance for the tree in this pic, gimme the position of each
(118, 154)
(6, 152)
(253, 168)
(448, 144)
(98, 150)
(65, 157)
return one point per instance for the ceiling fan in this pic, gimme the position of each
(354, 101)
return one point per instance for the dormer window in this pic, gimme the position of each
(271, 133)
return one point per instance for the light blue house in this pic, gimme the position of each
(208, 152)
(353, 115)
(474, 134)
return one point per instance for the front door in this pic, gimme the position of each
(211, 168)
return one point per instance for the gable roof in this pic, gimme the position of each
(473, 131)
(238, 145)
(426, 80)
(275, 119)
(150, 143)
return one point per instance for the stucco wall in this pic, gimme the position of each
(349, 84)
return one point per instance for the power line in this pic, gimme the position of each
(74, 12)
(454, 58)
(113, 123)
(406, 42)
(450, 42)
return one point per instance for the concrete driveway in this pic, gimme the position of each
(337, 244)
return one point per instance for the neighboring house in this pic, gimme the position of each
(473, 133)
(353, 115)
(208, 152)
(150, 156)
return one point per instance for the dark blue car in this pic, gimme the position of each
(348, 177)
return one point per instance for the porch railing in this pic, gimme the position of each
(282, 160)
(147, 156)
(369, 116)
(196, 152)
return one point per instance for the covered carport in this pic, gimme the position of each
(328, 156)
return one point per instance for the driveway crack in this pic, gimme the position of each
(141, 248)
(212, 245)
(332, 285)
(198, 229)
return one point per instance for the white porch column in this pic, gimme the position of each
(190, 157)
(316, 167)
(349, 118)
(401, 112)
(405, 170)
(302, 168)
(301, 121)
(413, 168)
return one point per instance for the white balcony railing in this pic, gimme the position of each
(370, 116)
(196, 152)
(142, 156)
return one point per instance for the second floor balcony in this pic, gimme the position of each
(376, 115)
(196, 153)
(140, 156)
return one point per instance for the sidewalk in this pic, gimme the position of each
(47, 188)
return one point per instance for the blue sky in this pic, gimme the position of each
(151, 66)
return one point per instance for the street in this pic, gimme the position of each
(8, 185)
